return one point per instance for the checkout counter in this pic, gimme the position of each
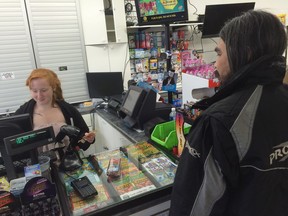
(143, 187)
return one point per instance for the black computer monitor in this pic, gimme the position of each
(133, 101)
(22, 121)
(104, 84)
(13, 125)
(216, 16)
(139, 106)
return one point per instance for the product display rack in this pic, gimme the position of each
(150, 59)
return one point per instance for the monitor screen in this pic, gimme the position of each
(21, 123)
(10, 126)
(133, 101)
(140, 106)
(216, 16)
(151, 12)
(14, 125)
(104, 84)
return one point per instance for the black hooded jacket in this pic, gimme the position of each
(235, 159)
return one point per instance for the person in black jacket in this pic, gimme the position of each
(235, 161)
(48, 108)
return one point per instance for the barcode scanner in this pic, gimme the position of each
(71, 159)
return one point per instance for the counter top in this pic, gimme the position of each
(142, 185)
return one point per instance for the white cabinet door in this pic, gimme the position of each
(105, 35)
(101, 28)
(98, 58)
(105, 58)
(107, 137)
(118, 55)
(119, 21)
(93, 21)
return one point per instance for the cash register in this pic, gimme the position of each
(19, 142)
(37, 195)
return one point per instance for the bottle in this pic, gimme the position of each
(172, 115)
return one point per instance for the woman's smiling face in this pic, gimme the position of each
(41, 91)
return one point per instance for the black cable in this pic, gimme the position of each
(70, 175)
(202, 44)
(196, 10)
(213, 40)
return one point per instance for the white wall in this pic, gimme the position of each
(277, 7)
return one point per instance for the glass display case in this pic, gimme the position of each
(142, 176)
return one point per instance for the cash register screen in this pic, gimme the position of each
(133, 101)
(29, 141)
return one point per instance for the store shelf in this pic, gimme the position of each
(162, 26)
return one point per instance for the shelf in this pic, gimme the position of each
(162, 26)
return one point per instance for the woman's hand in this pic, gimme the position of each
(89, 137)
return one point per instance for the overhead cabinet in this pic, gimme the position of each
(105, 34)
(103, 21)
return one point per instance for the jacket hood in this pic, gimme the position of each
(264, 71)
